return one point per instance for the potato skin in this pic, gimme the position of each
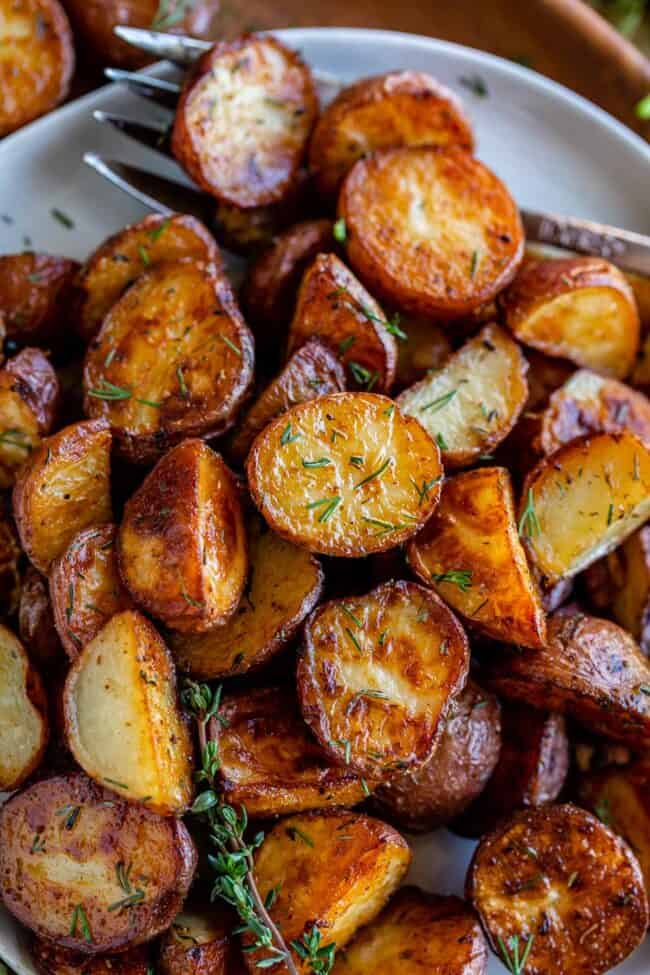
(35, 292)
(105, 832)
(29, 404)
(49, 959)
(24, 726)
(36, 620)
(10, 557)
(199, 942)
(600, 909)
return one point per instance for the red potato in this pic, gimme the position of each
(24, 726)
(35, 295)
(36, 620)
(29, 406)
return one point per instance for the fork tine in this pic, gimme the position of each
(147, 134)
(178, 48)
(156, 192)
(160, 90)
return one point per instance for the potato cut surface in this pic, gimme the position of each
(122, 719)
(345, 474)
(29, 401)
(377, 676)
(432, 230)
(23, 714)
(52, 960)
(199, 942)
(620, 584)
(36, 620)
(35, 293)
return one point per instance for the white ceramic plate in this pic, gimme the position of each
(554, 150)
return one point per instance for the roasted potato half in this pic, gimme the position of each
(173, 359)
(36, 620)
(581, 309)
(29, 401)
(559, 892)
(49, 959)
(620, 584)
(199, 942)
(346, 474)
(87, 871)
(35, 294)
(462, 764)
(333, 869)
(470, 552)
(217, 133)
(418, 933)
(430, 230)
(284, 584)
(427, 347)
(10, 565)
(378, 674)
(181, 547)
(24, 728)
(472, 403)
(62, 488)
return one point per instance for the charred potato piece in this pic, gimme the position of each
(583, 501)
(217, 133)
(199, 942)
(558, 891)
(36, 619)
(580, 309)
(86, 588)
(10, 558)
(49, 959)
(29, 401)
(24, 728)
(472, 403)
(126, 255)
(122, 720)
(37, 63)
(378, 674)
(35, 292)
(400, 108)
(427, 347)
(620, 583)
(284, 584)
(335, 307)
(63, 488)
(462, 763)
(418, 933)
(455, 238)
(173, 359)
(341, 475)
(72, 853)
(181, 547)
(337, 867)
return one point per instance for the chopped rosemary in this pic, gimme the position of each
(347, 344)
(109, 391)
(231, 345)
(362, 375)
(442, 443)
(370, 477)
(474, 265)
(364, 788)
(371, 693)
(71, 814)
(423, 492)
(62, 218)
(610, 514)
(355, 619)
(343, 743)
(475, 84)
(80, 920)
(287, 436)
(181, 382)
(331, 504)
(340, 231)
(144, 255)
(9, 437)
(353, 640)
(386, 527)
(456, 577)
(529, 523)
(439, 403)
(293, 832)
(319, 462)
(515, 963)
(157, 232)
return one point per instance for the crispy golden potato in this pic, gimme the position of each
(556, 888)
(10, 558)
(243, 120)
(49, 959)
(590, 669)
(583, 501)
(333, 869)
(531, 769)
(462, 763)
(313, 370)
(199, 943)
(63, 488)
(378, 674)
(418, 933)
(181, 547)
(581, 309)
(620, 584)
(346, 474)
(431, 230)
(284, 584)
(122, 720)
(85, 588)
(24, 728)
(427, 347)
(400, 108)
(87, 871)
(470, 552)
(37, 60)
(36, 620)
(173, 359)
(472, 403)
(35, 294)
(335, 307)
(122, 258)
(29, 403)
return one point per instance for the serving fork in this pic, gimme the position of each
(628, 249)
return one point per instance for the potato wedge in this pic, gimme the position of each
(38, 60)
(122, 258)
(470, 552)
(400, 108)
(173, 359)
(29, 403)
(430, 230)
(620, 584)
(531, 770)
(346, 474)
(590, 669)
(199, 942)
(35, 294)
(462, 763)
(49, 959)
(181, 547)
(580, 309)
(472, 403)
(10, 559)
(217, 133)
(556, 887)
(63, 488)
(284, 584)
(334, 306)
(36, 620)
(313, 370)
(583, 501)
(85, 588)
(333, 869)
(24, 728)
(418, 933)
(427, 347)
(87, 871)
(378, 674)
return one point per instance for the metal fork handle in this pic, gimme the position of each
(627, 249)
